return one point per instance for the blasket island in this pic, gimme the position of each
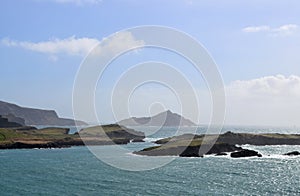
(18, 131)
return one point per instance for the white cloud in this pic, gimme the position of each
(286, 29)
(70, 46)
(77, 46)
(117, 43)
(278, 85)
(272, 100)
(283, 30)
(255, 29)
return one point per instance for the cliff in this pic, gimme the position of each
(33, 116)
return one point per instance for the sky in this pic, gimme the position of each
(255, 45)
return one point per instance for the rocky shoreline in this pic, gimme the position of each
(186, 145)
(189, 145)
(30, 137)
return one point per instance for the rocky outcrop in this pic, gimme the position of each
(189, 144)
(112, 133)
(33, 116)
(166, 118)
(293, 153)
(245, 153)
(187, 151)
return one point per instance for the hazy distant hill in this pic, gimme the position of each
(35, 116)
(166, 118)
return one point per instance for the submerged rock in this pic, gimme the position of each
(245, 153)
(294, 153)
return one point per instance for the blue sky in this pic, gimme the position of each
(251, 42)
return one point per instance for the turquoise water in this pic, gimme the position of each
(76, 171)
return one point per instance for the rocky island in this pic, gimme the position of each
(189, 145)
(30, 137)
(165, 119)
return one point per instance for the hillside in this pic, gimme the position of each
(35, 116)
(166, 118)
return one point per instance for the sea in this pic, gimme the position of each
(81, 171)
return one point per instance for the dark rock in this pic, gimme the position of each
(191, 151)
(187, 151)
(294, 153)
(245, 153)
(221, 148)
(21, 145)
(221, 154)
(137, 140)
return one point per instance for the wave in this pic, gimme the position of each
(152, 139)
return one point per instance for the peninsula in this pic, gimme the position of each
(30, 137)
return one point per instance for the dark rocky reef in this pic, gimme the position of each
(294, 153)
(245, 153)
(221, 154)
(187, 151)
(33, 116)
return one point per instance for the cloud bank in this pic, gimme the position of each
(271, 100)
(284, 30)
(73, 46)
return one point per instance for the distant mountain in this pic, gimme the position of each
(33, 116)
(166, 118)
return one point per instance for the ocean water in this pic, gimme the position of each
(76, 171)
